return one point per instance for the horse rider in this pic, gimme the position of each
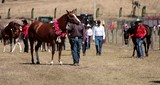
(139, 33)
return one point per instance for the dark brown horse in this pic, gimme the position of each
(146, 43)
(11, 31)
(43, 32)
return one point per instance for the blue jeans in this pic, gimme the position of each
(139, 49)
(99, 42)
(25, 41)
(89, 42)
(84, 47)
(75, 48)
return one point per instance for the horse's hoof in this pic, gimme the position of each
(37, 62)
(60, 62)
(51, 62)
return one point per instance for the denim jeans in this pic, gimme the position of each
(84, 47)
(89, 43)
(139, 49)
(75, 48)
(98, 43)
(25, 41)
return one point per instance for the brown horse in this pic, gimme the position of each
(147, 42)
(11, 31)
(43, 32)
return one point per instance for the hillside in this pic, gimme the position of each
(108, 8)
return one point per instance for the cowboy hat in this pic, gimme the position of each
(25, 21)
(138, 20)
(88, 25)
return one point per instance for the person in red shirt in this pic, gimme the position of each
(139, 33)
(25, 35)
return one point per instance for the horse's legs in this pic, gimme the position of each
(145, 48)
(4, 41)
(14, 47)
(48, 47)
(53, 51)
(20, 47)
(148, 44)
(59, 53)
(31, 48)
(36, 50)
(10, 44)
(134, 49)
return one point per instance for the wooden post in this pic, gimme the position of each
(75, 11)
(159, 42)
(152, 39)
(120, 12)
(32, 13)
(55, 11)
(9, 15)
(97, 13)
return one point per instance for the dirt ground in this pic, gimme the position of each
(114, 67)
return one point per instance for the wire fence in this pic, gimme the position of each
(115, 35)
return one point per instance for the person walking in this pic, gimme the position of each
(89, 34)
(25, 35)
(76, 35)
(98, 37)
(140, 33)
(86, 39)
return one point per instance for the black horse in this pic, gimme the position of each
(147, 41)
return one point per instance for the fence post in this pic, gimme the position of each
(120, 12)
(143, 11)
(32, 13)
(159, 42)
(152, 39)
(97, 13)
(55, 11)
(75, 11)
(9, 16)
(159, 37)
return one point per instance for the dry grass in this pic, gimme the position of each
(114, 67)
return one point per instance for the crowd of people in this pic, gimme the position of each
(81, 36)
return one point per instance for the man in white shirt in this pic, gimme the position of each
(98, 37)
(89, 34)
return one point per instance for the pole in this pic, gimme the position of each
(94, 7)
(138, 8)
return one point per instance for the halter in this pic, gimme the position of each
(57, 29)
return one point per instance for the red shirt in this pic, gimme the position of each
(140, 32)
(25, 30)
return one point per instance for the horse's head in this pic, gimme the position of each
(71, 17)
(14, 28)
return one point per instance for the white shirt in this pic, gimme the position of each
(98, 31)
(89, 32)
